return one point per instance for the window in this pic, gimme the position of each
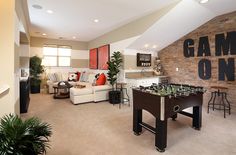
(56, 56)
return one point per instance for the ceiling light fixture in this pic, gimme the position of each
(74, 37)
(96, 20)
(146, 45)
(36, 6)
(49, 11)
(154, 46)
(203, 1)
(44, 34)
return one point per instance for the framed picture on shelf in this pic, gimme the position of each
(103, 57)
(93, 58)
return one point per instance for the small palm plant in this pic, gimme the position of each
(18, 137)
(114, 67)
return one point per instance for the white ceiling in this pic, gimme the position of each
(185, 17)
(76, 17)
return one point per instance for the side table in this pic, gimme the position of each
(62, 90)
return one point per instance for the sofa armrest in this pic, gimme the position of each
(102, 88)
(49, 82)
(50, 86)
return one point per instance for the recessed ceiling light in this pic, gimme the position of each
(36, 6)
(146, 45)
(74, 37)
(44, 34)
(49, 11)
(203, 1)
(96, 20)
(154, 46)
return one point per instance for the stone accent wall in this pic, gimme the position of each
(172, 57)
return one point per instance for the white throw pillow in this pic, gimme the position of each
(52, 77)
(91, 78)
(58, 76)
(64, 76)
(83, 77)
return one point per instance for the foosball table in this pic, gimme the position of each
(165, 101)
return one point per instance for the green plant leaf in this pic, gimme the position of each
(114, 67)
(19, 137)
(35, 69)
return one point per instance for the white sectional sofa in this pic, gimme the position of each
(82, 95)
(54, 78)
(89, 94)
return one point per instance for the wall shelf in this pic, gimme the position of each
(3, 88)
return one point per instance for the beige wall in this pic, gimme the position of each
(40, 42)
(24, 62)
(80, 63)
(172, 57)
(79, 57)
(7, 11)
(130, 63)
(22, 13)
(129, 30)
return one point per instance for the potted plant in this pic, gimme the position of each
(19, 137)
(113, 69)
(35, 70)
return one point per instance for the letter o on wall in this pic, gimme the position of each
(204, 69)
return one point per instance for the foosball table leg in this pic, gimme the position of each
(197, 117)
(137, 120)
(174, 117)
(161, 135)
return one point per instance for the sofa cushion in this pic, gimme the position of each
(91, 78)
(52, 77)
(82, 91)
(102, 87)
(64, 76)
(70, 82)
(101, 79)
(83, 77)
(58, 76)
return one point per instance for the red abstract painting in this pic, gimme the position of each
(103, 57)
(93, 58)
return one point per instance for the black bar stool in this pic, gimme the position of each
(223, 103)
(120, 86)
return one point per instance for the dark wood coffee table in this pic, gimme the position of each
(62, 90)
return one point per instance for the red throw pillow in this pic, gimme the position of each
(78, 75)
(101, 79)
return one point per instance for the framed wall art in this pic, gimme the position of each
(93, 58)
(103, 57)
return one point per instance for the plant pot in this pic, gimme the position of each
(35, 89)
(114, 97)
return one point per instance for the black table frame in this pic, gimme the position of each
(224, 102)
(163, 108)
(66, 87)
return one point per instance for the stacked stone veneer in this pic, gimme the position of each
(172, 57)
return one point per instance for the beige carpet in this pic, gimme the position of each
(103, 129)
